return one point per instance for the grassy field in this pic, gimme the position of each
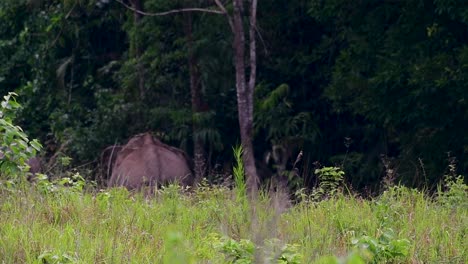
(49, 223)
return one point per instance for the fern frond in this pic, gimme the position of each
(275, 96)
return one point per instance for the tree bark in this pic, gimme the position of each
(253, 55)
(138, 6)
(199, 155)
(245, 92)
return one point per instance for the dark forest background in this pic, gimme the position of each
(378, 88)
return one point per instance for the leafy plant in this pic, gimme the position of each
(237, 252)
(243, 251)
(74, 183)
(275, 114)
(456, 193)
(354, 257)
(15, 147)
(330, 179)
(385, 247)
(44, 184)
(49, 257)
(290, 255)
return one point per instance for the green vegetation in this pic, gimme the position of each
(69, 220)
(343, 81)
(15, 147)
(350, 98)
(65, 224)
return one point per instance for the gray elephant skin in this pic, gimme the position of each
(145, 161)
(35, 165)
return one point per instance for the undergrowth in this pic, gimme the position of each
(60, 222)
(68, 220)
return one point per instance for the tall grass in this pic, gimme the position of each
(68, 222)
(209, 225)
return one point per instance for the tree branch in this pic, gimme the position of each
(223, 9)
(262, 40)
(253, 54)
(194, 9)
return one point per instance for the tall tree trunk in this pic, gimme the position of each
(199, 155)
(138, 6)
(244, 91)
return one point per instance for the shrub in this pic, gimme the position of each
(330, 179)
(455, 194)
(15, 147)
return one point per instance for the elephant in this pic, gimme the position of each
(35, 165)
(146, 161)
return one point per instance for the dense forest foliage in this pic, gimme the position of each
(376, 87)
